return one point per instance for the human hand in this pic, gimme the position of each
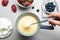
(54, 22)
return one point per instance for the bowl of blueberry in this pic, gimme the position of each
(25, 3)
(49, 7)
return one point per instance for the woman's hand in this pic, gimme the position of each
(54, 22)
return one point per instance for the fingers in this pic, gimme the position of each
(57, 15)
(54, 22)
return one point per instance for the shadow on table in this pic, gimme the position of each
(25, 38)
(47, 27)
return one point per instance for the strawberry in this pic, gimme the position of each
(14, 9)
(31, 1)
(5, 2)
(27, 3)
(19, 1)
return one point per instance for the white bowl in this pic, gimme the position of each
(24, 6)
(45, 2)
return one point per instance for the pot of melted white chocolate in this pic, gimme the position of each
(28, 24)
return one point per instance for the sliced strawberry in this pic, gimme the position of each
(5, 2)
(31, 1)
(14, 9)
(27, 3)
(19, 1)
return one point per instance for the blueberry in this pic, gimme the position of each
(51, 3)
(38, 10)
(50, 7)
(33, 7)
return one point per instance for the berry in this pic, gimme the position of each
(27, 3)
(31, 1)
(32, 7)
(19, 1)
(13, 7)
(5, 2)
(38, 10)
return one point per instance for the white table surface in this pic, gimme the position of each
(42, 35)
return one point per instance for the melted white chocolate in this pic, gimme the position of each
(24, 25)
